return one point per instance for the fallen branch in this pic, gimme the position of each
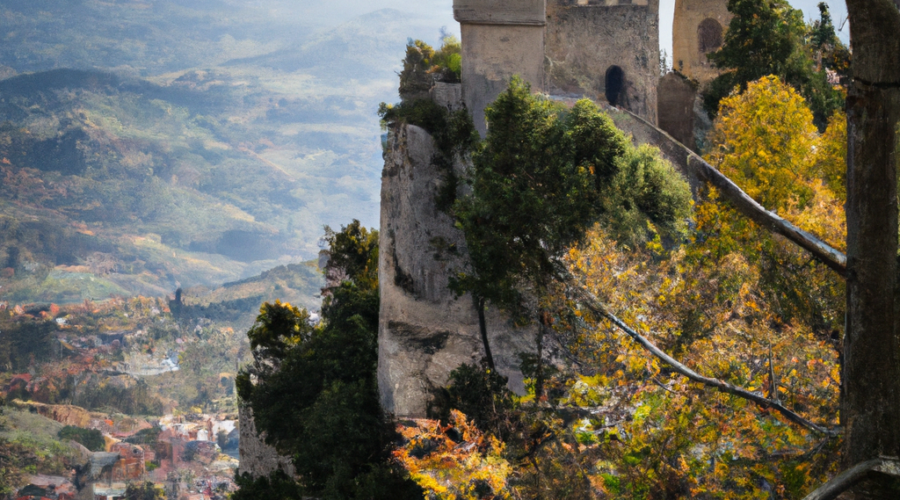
(593, 304)
(850, 477)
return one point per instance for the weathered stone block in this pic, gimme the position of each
(517, 12)
(448, 95)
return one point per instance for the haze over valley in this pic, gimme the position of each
(194, 143)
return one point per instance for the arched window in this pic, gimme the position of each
(615, 84)
(709, 35)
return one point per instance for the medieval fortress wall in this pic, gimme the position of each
(499, 38)
(606, 50)
(699, 28)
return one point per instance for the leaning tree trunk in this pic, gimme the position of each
(479, 304)
(870, 400)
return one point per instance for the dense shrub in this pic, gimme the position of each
(481, 394)
(316, 392)
(91, 439)
(277, 485)
(544, 175)
(145, 491)
(423, 65)
(145, 436)
(24, 343)
(134, 400)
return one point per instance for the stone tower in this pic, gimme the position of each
(607, 50)
(698, 29)
(500, 38)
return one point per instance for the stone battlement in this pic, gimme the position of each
(500, 12)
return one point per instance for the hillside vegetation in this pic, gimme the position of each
(194, 144)
(149, 153)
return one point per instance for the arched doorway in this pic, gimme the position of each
(709, 36)
(615, 85)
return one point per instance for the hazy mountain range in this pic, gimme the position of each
(152, 144)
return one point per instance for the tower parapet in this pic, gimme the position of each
(499, 12)
(500, 38)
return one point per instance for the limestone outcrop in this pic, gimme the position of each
(258, 458)
(425, 331)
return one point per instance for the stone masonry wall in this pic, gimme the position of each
(676, 108)
(500, 38)
(491, 55)
(688, 53)
(585, 39)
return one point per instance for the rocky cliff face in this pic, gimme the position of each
(257, 458)
(64, 414)
(425, 332)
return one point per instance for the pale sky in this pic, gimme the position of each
(441, 11)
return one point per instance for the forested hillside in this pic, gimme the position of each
(147, 146)
(150, 152)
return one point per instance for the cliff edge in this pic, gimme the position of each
(425, 332)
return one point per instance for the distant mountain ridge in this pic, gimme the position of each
(111, 160)
(165, 170)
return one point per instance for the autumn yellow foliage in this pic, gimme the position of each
(454, 462)
(763, 140)
(732, 302)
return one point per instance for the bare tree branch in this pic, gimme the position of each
(850, 477)
(702, 171)
(829, 256)
(594, 304)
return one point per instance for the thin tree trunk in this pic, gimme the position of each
(539, 369)
(870, 406)
(482, 326)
